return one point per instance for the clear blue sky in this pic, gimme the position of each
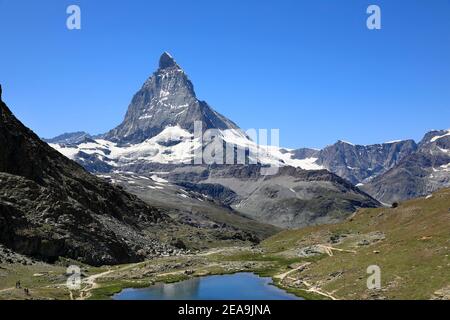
(310, 68)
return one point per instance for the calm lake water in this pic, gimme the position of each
(240, 286)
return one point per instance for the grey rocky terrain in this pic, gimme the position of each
(392, 171)
(203, 219)
(291, 198)
(9, 256)
(418, 174)
(359, 163)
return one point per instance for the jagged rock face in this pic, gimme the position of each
(51, 207)
(215, 191)
(358, 163)
(166, 99)
(393, 171)
(418, 174)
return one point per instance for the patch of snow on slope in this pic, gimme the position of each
(155, 188)
(158, 149)
(176, 145)
(346, 142)
(69, 152)
(445, 168)
(270, 155)
(171, 134)
(439, 137)
(305, 164)
(158, 179)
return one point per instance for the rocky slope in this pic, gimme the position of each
(203, 220)
(392, 171)
(51, 207)
(291, 198)
(418, 174)
(357, 163)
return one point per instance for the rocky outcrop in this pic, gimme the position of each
(218, 192)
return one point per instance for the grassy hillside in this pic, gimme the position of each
(409, 243)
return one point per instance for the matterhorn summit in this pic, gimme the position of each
(167, 99)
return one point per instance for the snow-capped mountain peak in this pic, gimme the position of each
(166, 99)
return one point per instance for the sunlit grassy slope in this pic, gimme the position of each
(410, 244)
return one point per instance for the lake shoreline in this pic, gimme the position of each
(241, 286)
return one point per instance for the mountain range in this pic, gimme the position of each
(157, 133)
(417, 174)
(392, 171)
(157, 138)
